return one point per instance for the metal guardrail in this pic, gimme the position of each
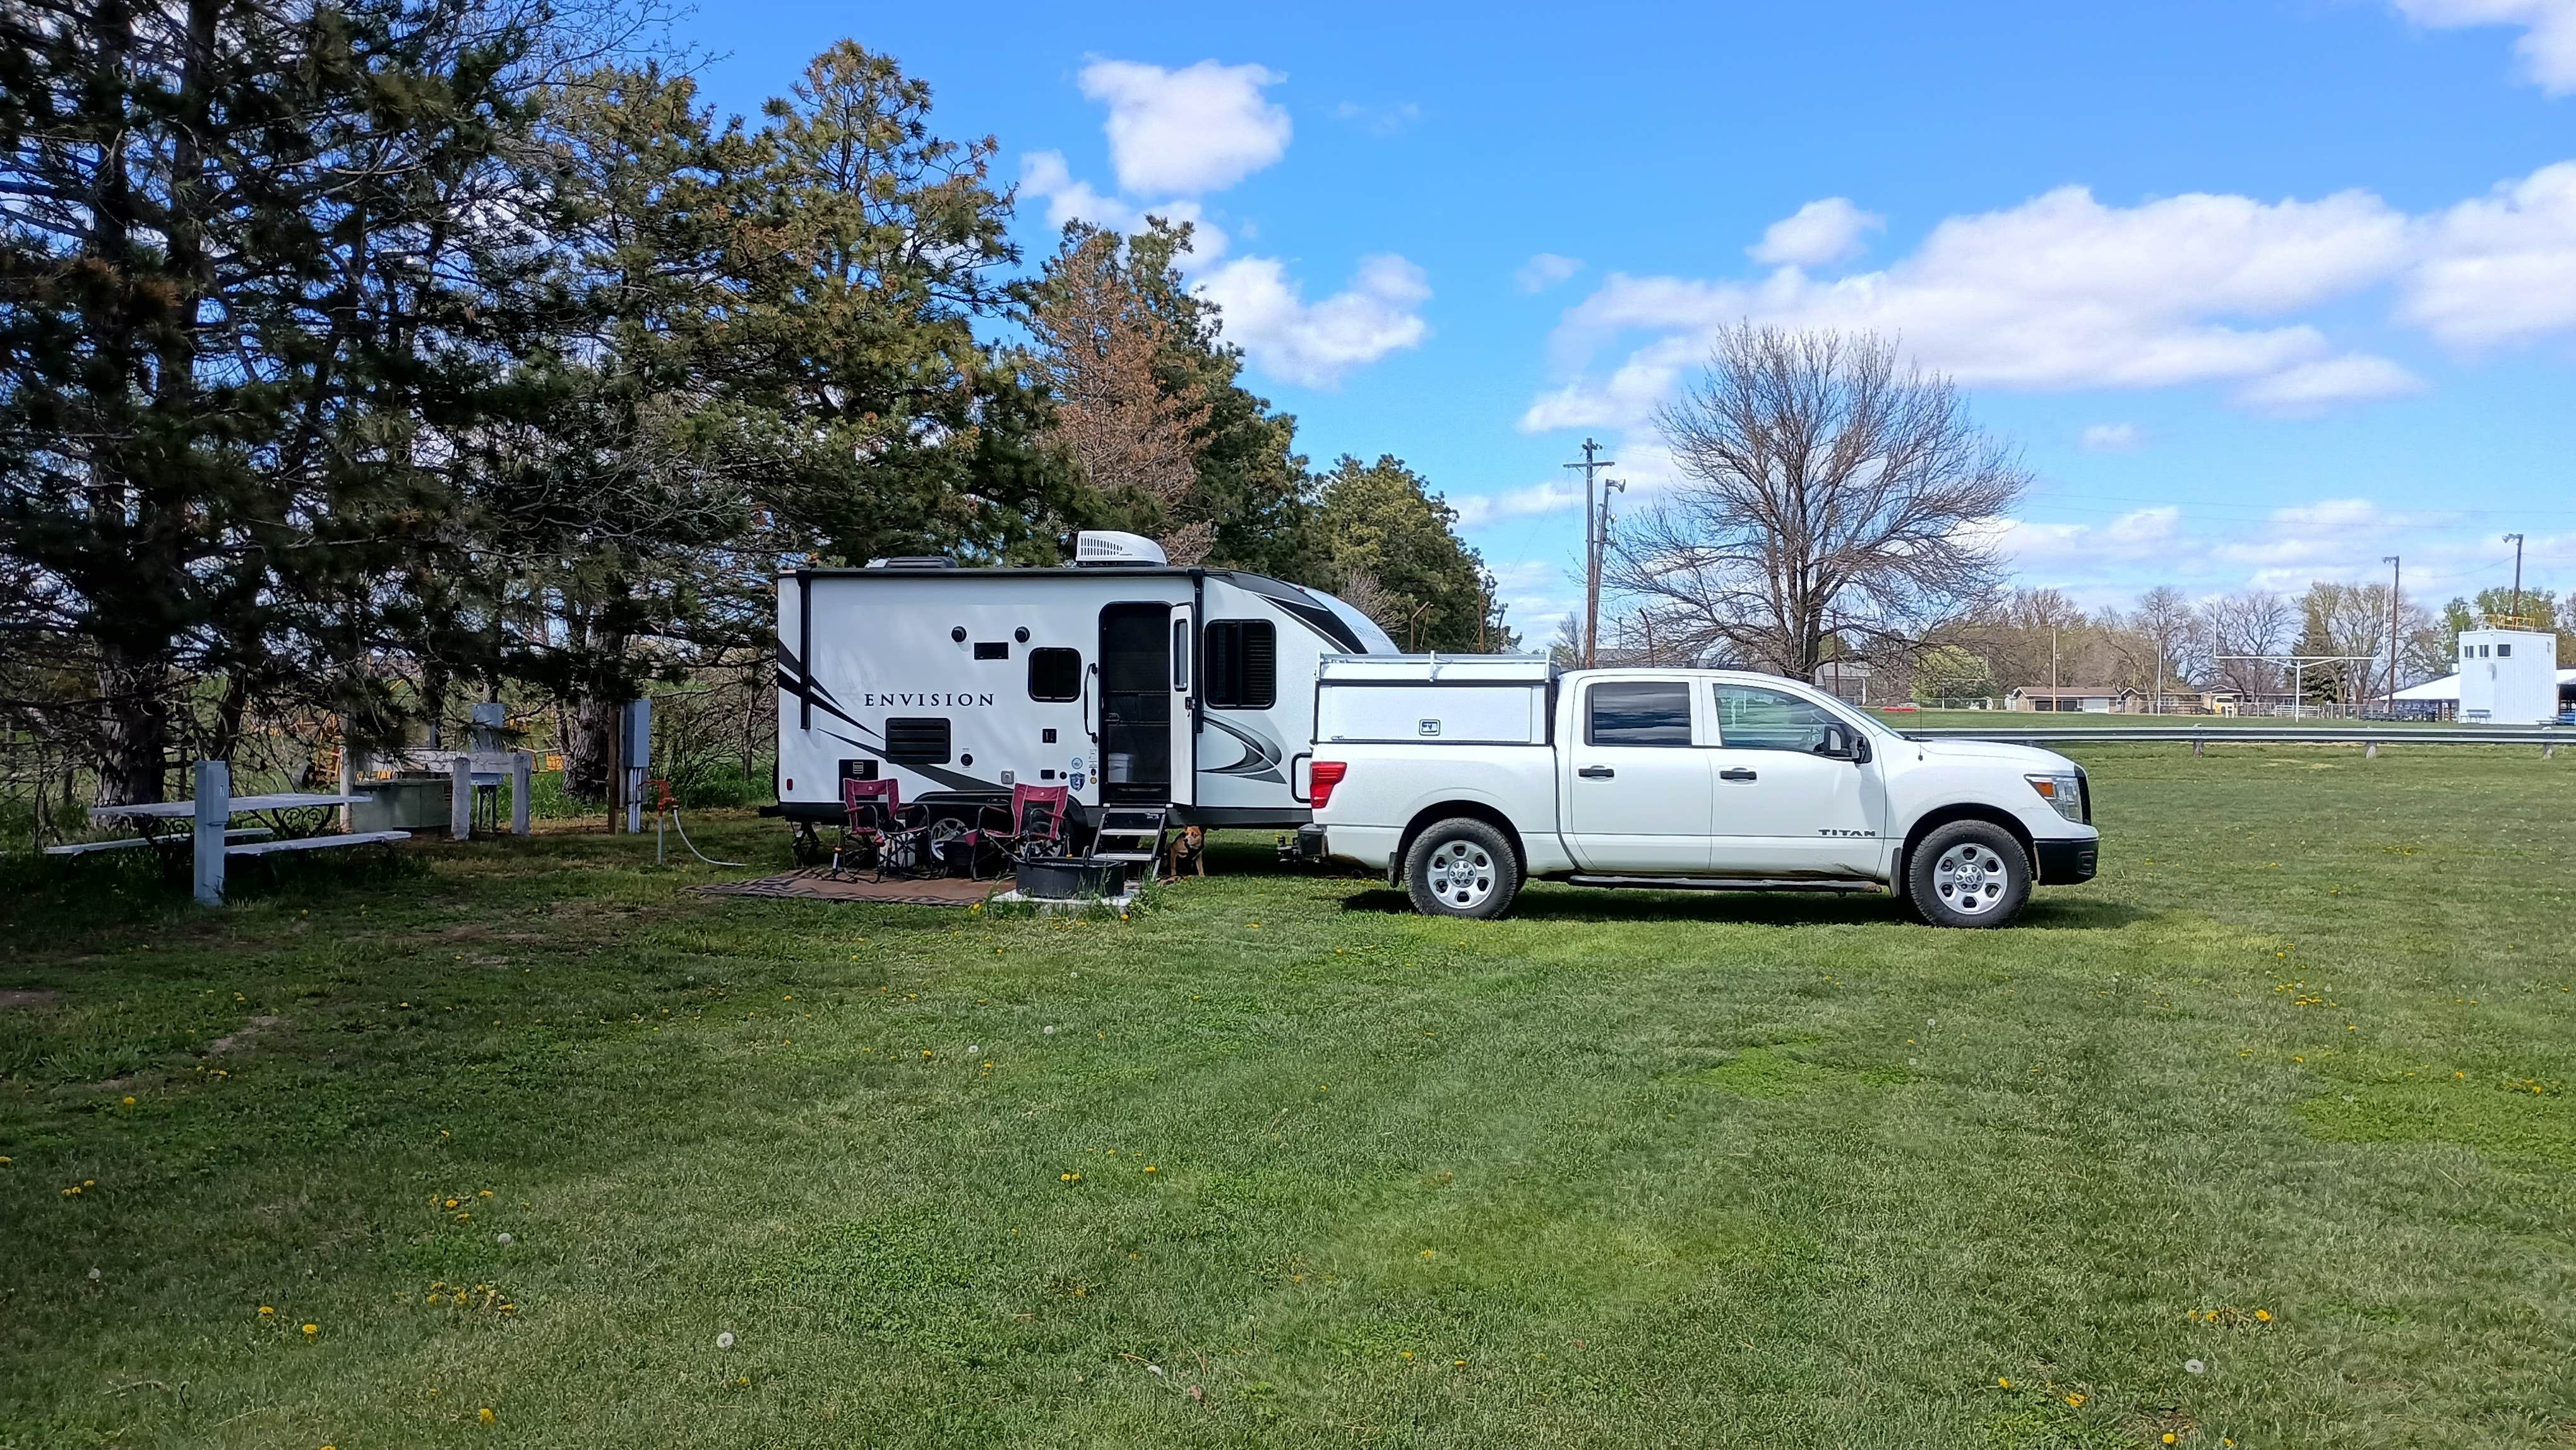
(2547, 737)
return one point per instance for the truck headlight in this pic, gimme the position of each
(2064, 792)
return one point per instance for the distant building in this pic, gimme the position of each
(1851, 680)
(2089, 699)
(2506, 677)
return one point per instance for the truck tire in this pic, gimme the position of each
(1968, 874)
(1461, 867)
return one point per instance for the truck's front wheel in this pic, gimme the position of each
(1969, 873)
(1461, 867)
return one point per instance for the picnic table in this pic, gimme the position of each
(295, 822)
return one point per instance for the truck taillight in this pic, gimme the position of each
(1326, 774)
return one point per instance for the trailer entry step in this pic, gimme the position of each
(1130, 833)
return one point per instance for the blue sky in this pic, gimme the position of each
(2267, 290)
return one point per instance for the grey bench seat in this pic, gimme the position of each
(315, 843)
(121, 843)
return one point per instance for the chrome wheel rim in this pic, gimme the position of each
(1970, 878)
(1461, 874)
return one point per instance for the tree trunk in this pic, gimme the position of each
(134, 739)
(586, 722)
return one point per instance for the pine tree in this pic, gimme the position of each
(253, 262)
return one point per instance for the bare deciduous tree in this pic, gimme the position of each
(2159, 643)
(1831, 494)
(2248, 623)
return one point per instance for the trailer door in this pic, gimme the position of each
(1136, 703)
(1185, 706)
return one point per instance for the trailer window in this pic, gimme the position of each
(1645, 712)
(1241, 667)
(1055, 673)
(918, 740)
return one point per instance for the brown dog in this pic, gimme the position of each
(1190, 848)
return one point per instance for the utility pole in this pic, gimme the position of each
(2394, 575)
(2517, 579)
(1592, 463)
(1600, 556)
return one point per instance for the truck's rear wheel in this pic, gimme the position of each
(1968, 874)
(1461, 867)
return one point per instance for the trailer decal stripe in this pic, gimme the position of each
(1260, 757)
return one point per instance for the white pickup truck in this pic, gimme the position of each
(1463, 776)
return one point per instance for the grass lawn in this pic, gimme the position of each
(2282, 1096)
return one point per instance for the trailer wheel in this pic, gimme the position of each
(1461, 867)
(1969, 874)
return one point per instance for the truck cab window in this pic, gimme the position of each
(1752, 718)
(1055, 673)
(1239, 667)
(1641, 712)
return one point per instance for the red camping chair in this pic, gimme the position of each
(875, 824)
(1031, 826)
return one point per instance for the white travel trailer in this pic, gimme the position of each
(1129, 681)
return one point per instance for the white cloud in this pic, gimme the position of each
(1815, 234)
(1190, 131)
(1044, 174)
(2311, 388)
(1545, 270)
(2500, 268)
(1315, 343)
(2140, 534)
(1184, 133)
(1545, 497)
(2059, 292)
(1385, 120)
(2548, 42)
(2112, 438)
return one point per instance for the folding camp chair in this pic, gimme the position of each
(1031, 826)
(875, 824)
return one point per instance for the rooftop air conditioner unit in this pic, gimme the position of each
(1110, 546)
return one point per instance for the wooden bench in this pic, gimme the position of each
(315, 843)
(121, 843)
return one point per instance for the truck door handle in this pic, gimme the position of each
(1739, 773)
(1596, 772)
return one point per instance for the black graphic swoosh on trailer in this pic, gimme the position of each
(792, 679)
(1260, 756)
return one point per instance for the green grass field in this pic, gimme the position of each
(2262, 1139)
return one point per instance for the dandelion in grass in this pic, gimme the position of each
(484, 1414)
(311, 1330)
(724, 1340)
(2262, 1316)
(504, 1240)
(2002, 1383)
(2193, 1366)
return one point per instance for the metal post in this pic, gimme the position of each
(214, 814)
(1590, 465)
(523, 769)
(2393, 577)
(2517, 579)
(348, 782)
(460, 797)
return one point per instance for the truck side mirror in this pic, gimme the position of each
(1836, 744)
